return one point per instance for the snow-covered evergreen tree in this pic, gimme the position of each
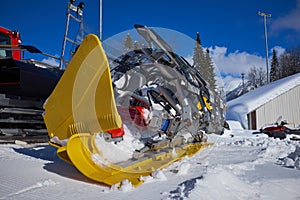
(210, 71)
(198, 57)
(136, 45)
(274, 72)
(204, 64)
(128, 43)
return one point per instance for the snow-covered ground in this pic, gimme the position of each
(240, 165)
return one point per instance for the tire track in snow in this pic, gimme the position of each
(38, 185)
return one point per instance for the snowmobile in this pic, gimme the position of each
(128, 118)
(279, 129)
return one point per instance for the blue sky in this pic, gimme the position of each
(231, 29)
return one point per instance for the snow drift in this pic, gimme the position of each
(240, 165)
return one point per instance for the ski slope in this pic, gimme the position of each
(240, 165)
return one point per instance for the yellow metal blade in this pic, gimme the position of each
(82, 150)
(83, 100)
(63, 155)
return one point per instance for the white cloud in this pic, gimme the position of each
(51, 61)
(234, 63)
(189, 59)
(279, 50)
(290, 21)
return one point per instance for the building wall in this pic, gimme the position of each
(252, 120)
(286, 105)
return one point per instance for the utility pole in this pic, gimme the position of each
(243, 82)
(265, 15)
(100, 20)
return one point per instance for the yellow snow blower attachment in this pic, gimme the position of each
(84, 154)
(83, 100)
(82, 109)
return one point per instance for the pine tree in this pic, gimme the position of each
(198, 57)
(128, 43)
(136, 45)
(204, 64)
(274, 72)
(217, 112)
(209, 68)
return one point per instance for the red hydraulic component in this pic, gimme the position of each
(115, 133)
(137, 115)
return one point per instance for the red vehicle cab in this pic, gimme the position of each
(9, 44)
(23, 77)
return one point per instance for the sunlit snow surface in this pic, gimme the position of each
(240, 165)
(114, 153)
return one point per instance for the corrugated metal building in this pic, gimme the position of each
(266, 104)
(286, 105)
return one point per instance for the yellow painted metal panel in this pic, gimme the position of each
(83, 100)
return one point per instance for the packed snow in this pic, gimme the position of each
(242, 164)
(114, 153)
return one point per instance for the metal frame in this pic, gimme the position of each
(78, 18)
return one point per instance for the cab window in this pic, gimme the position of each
(4, 40)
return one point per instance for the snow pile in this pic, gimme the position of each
(109, 152)
(222, 184)
(240, 107)
(276, 149)
(268, 148)
(183, 168)
(56, 140)
(124, 186)
(293, 159)
(234, 125)
(157, 175)
(249, 167)
(240, 165)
